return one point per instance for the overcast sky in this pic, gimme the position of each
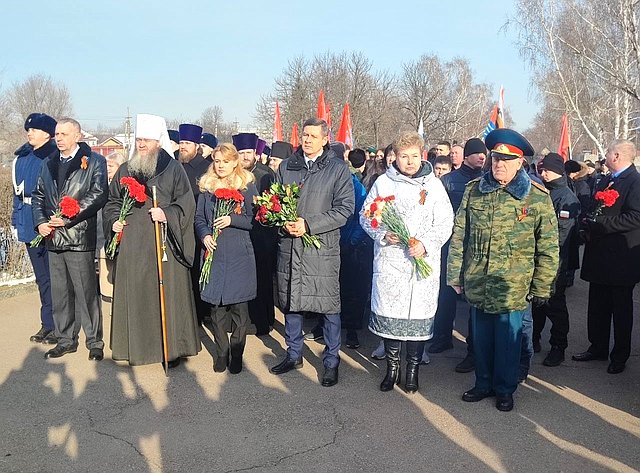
(176, 58)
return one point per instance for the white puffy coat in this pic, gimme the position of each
(402, 305)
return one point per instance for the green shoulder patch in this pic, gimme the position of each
(539, 186)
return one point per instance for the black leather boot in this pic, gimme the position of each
(235, 364)
(392, 350)
(414, 355)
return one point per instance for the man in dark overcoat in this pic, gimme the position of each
(611, 261)
(308, 276)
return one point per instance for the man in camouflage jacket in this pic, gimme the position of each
(503, 255)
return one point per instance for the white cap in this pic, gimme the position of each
(153, 127)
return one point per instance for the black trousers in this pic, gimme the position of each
(239, 315)
(356, 268)
(556, 311)
(605, 303)
(74, 292)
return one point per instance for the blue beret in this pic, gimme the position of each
(245, 141)
(189, 132)
(174, 135)
(209, 139)
(510, 138)
(41, 121)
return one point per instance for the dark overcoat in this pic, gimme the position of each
(307, 276)
(233, 272)
(612, 252)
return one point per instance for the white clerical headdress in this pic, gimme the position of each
(153, 127)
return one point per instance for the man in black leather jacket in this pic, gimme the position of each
(75, 171)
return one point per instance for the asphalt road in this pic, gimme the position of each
(71, 414)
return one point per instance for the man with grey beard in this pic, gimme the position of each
(135, 328)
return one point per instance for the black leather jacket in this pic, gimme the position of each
(88, 186)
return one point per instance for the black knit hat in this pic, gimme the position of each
(553, 162)
(473, 146)
(357, 157)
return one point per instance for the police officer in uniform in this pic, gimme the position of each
(40, 130)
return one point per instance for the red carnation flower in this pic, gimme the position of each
(374, 223)
(276, 207)
(373, 207)
(69, 207)
(607, 197)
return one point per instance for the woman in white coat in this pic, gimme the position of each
(403, 304)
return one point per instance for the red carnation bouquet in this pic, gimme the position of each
(383, 212)
(605, 198)
(134, 192)
(227, 201)
(68, 207)
(279, 205)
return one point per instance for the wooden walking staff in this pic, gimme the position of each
(159, 257)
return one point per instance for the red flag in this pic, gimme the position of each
(345, 132)
(322, 107)
(295, 141)
(329, 122)
(277, 126)
(564, 148)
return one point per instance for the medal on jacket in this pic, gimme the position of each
(423, 196)
(523, 214)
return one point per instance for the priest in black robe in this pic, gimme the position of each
(136, 333)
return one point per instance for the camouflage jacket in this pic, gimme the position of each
(505, 244)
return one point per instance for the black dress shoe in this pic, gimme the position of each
(588, 356)
(173, 363)
(286, 365)
(504, 402)
(39, 336)
(555, 357)
(60, 350)
(475, 395)
(467, 365)
(330, 377)
(96, 354)
(615, 367)
(50, 338)
(221, 364)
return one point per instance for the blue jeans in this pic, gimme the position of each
(331, 331)
(497, 342)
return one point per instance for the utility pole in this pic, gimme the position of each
(127, 135)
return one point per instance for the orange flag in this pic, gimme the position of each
(345, 132)
(277, 126)
(295, 141)
(564, 148)
(322, 107)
